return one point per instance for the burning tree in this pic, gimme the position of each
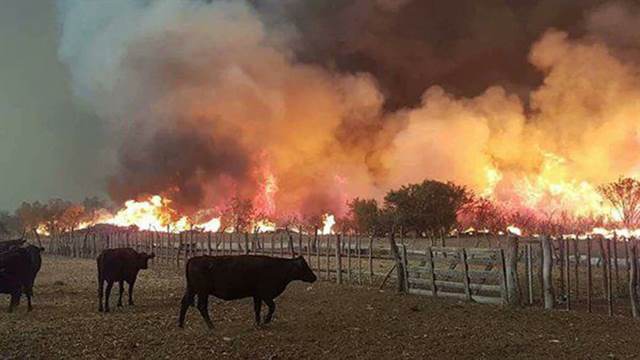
(238, 215)
(624, 196)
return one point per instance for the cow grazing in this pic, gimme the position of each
(18, 270)
(121, 265)
(235, 277)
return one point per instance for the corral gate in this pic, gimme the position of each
(472, 274)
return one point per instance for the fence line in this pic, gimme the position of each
(540, 271)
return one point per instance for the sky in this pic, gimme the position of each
(49, 146)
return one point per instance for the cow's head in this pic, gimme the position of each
(143, 260)
(302, 271)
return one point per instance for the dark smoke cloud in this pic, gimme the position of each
(463, 46)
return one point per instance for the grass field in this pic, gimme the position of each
(320, 321)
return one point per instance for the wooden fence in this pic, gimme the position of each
(593, 274)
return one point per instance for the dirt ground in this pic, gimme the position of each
(318, 321)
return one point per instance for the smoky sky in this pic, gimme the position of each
(49, 146)
(52, 145)
(464, 46)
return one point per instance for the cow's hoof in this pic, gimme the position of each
(131, 304)
(107, 310)
(29, 309)
(120, 305)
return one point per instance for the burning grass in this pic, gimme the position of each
(322, 321)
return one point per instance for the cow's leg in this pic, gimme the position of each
(15, 300)
(187, 300)
(29, 292)
(272, 309)
(107, 295)
(121, 283)
(131, 284)
(257, 307)
(203, 306)
(100, 294)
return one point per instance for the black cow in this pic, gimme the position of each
(235, 277)
(10, 244)
(18, 270)
(121, 265)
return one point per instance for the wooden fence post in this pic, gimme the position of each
(547, 273)
(589, 275)
(609, 279)
(465, 269)
(633, 279)
(397, 257)
(565, 245)
(512, 270)
(432, 272)
(576, 266)
(328, 257)
(529, 252)
(371, 260)
(246, 243)
(338, 260)
(349, 258)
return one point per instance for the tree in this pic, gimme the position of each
(624, 196)
(366, 216)
(239, 215)
(429, 208)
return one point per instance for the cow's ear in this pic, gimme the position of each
(151, 256)
(41, 249)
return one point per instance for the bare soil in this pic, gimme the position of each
(323, 320)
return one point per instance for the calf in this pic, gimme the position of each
(234, 277)
(121, 265)
(18, 270)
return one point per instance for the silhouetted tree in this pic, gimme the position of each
(429, 208)
(624, 196)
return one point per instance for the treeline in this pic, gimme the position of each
(54, 216)
(428, 209)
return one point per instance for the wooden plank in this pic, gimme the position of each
(529, 264)
(472, 274)
(455, 285)
(476, 298)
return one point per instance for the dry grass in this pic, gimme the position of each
(319, 321)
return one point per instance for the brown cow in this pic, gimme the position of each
(121, 265)
(235, 277)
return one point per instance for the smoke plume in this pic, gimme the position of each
(304, 104)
